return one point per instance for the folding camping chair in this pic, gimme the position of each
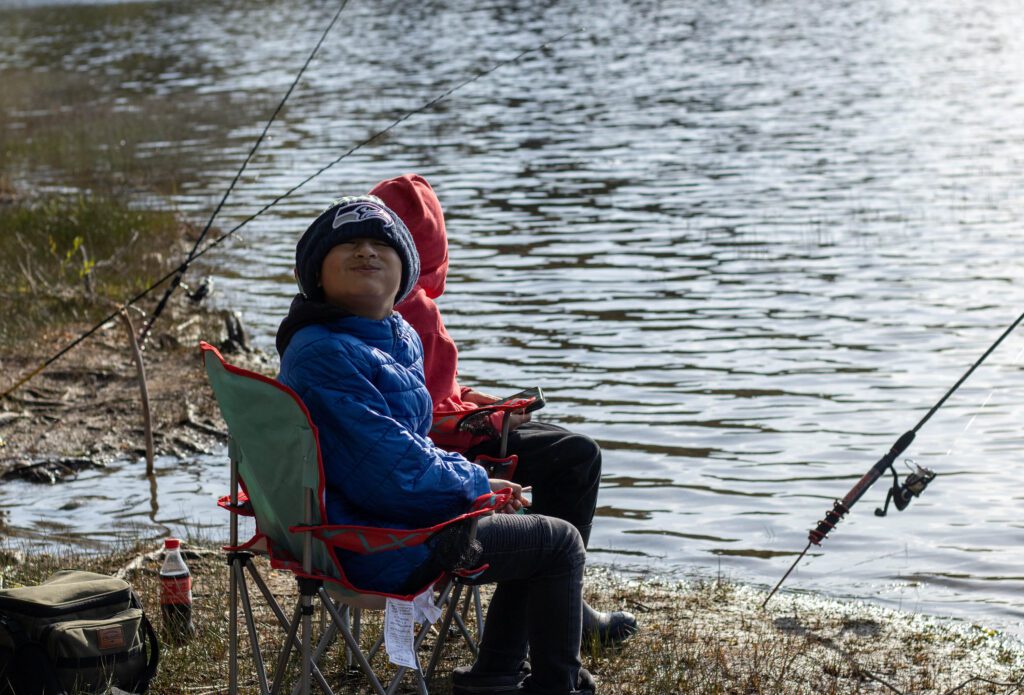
(277, 477)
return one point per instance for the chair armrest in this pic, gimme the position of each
(496, 467)
(506, 408)
(367, 540)
(243, 507)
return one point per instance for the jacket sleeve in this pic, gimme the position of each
(379, 466)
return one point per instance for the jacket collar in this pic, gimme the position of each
(306, 312)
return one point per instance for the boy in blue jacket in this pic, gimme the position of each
(358, 367)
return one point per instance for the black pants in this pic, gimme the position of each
(563, 467)
(537, 562)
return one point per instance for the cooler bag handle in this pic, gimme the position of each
(152, 654)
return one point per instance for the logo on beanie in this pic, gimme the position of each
(359, 212)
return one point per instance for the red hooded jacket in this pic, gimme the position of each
(412, 198)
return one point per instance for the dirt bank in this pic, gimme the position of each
(85, 409)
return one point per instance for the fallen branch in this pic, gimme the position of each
(137, 562)
(6, 417)
(143, 387)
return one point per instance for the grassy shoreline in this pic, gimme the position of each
(66, 258)
(708, 637)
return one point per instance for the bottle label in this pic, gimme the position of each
(176, 590)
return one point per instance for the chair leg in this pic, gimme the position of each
(353, 645)
(291, 643)
(466, 635)
(465, 603)
(308, 589)
(450, 613)
(356, 615)
(257, 656)
(421, 681)
(352, 623)
(479, 615)
(234, 562)
(307, 634)
(472, 595)
(330, 633)
(372, 651)
(292, 640)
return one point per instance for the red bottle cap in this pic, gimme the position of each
(171, 543)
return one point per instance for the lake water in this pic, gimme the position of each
(743, 244)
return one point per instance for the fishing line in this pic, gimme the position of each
(980, 408)
(219, 240)
(970, 422)
(209, 223)
(970, 371)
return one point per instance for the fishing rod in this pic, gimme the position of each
(900, 494)
(176, 282)
(219, 240)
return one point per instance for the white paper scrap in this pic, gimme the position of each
(425, 608)
(398, 637)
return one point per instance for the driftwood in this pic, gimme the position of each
(143, 387)
(49, 470)
(90, 408)
(208, 428)
(6, 417)
(137, 562)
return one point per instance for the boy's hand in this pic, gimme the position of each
(517, 502)
(478, 398)
(517, 418)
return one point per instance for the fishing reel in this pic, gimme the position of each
(913, 485)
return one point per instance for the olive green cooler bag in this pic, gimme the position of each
(77, 632)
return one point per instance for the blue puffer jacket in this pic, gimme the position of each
(362, 381)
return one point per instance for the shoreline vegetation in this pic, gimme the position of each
(67, 262)
(703, 636)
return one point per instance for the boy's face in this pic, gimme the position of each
(362, 275)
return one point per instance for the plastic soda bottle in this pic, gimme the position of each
(176, 593)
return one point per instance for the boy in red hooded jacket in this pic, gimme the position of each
(564, 468)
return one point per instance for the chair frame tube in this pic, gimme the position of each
(233, 581)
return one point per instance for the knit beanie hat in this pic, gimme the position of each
(354, 217)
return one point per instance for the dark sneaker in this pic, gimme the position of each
(585, 685)
(608, 629)
(465, 682)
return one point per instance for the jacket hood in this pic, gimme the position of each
(414, 201)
